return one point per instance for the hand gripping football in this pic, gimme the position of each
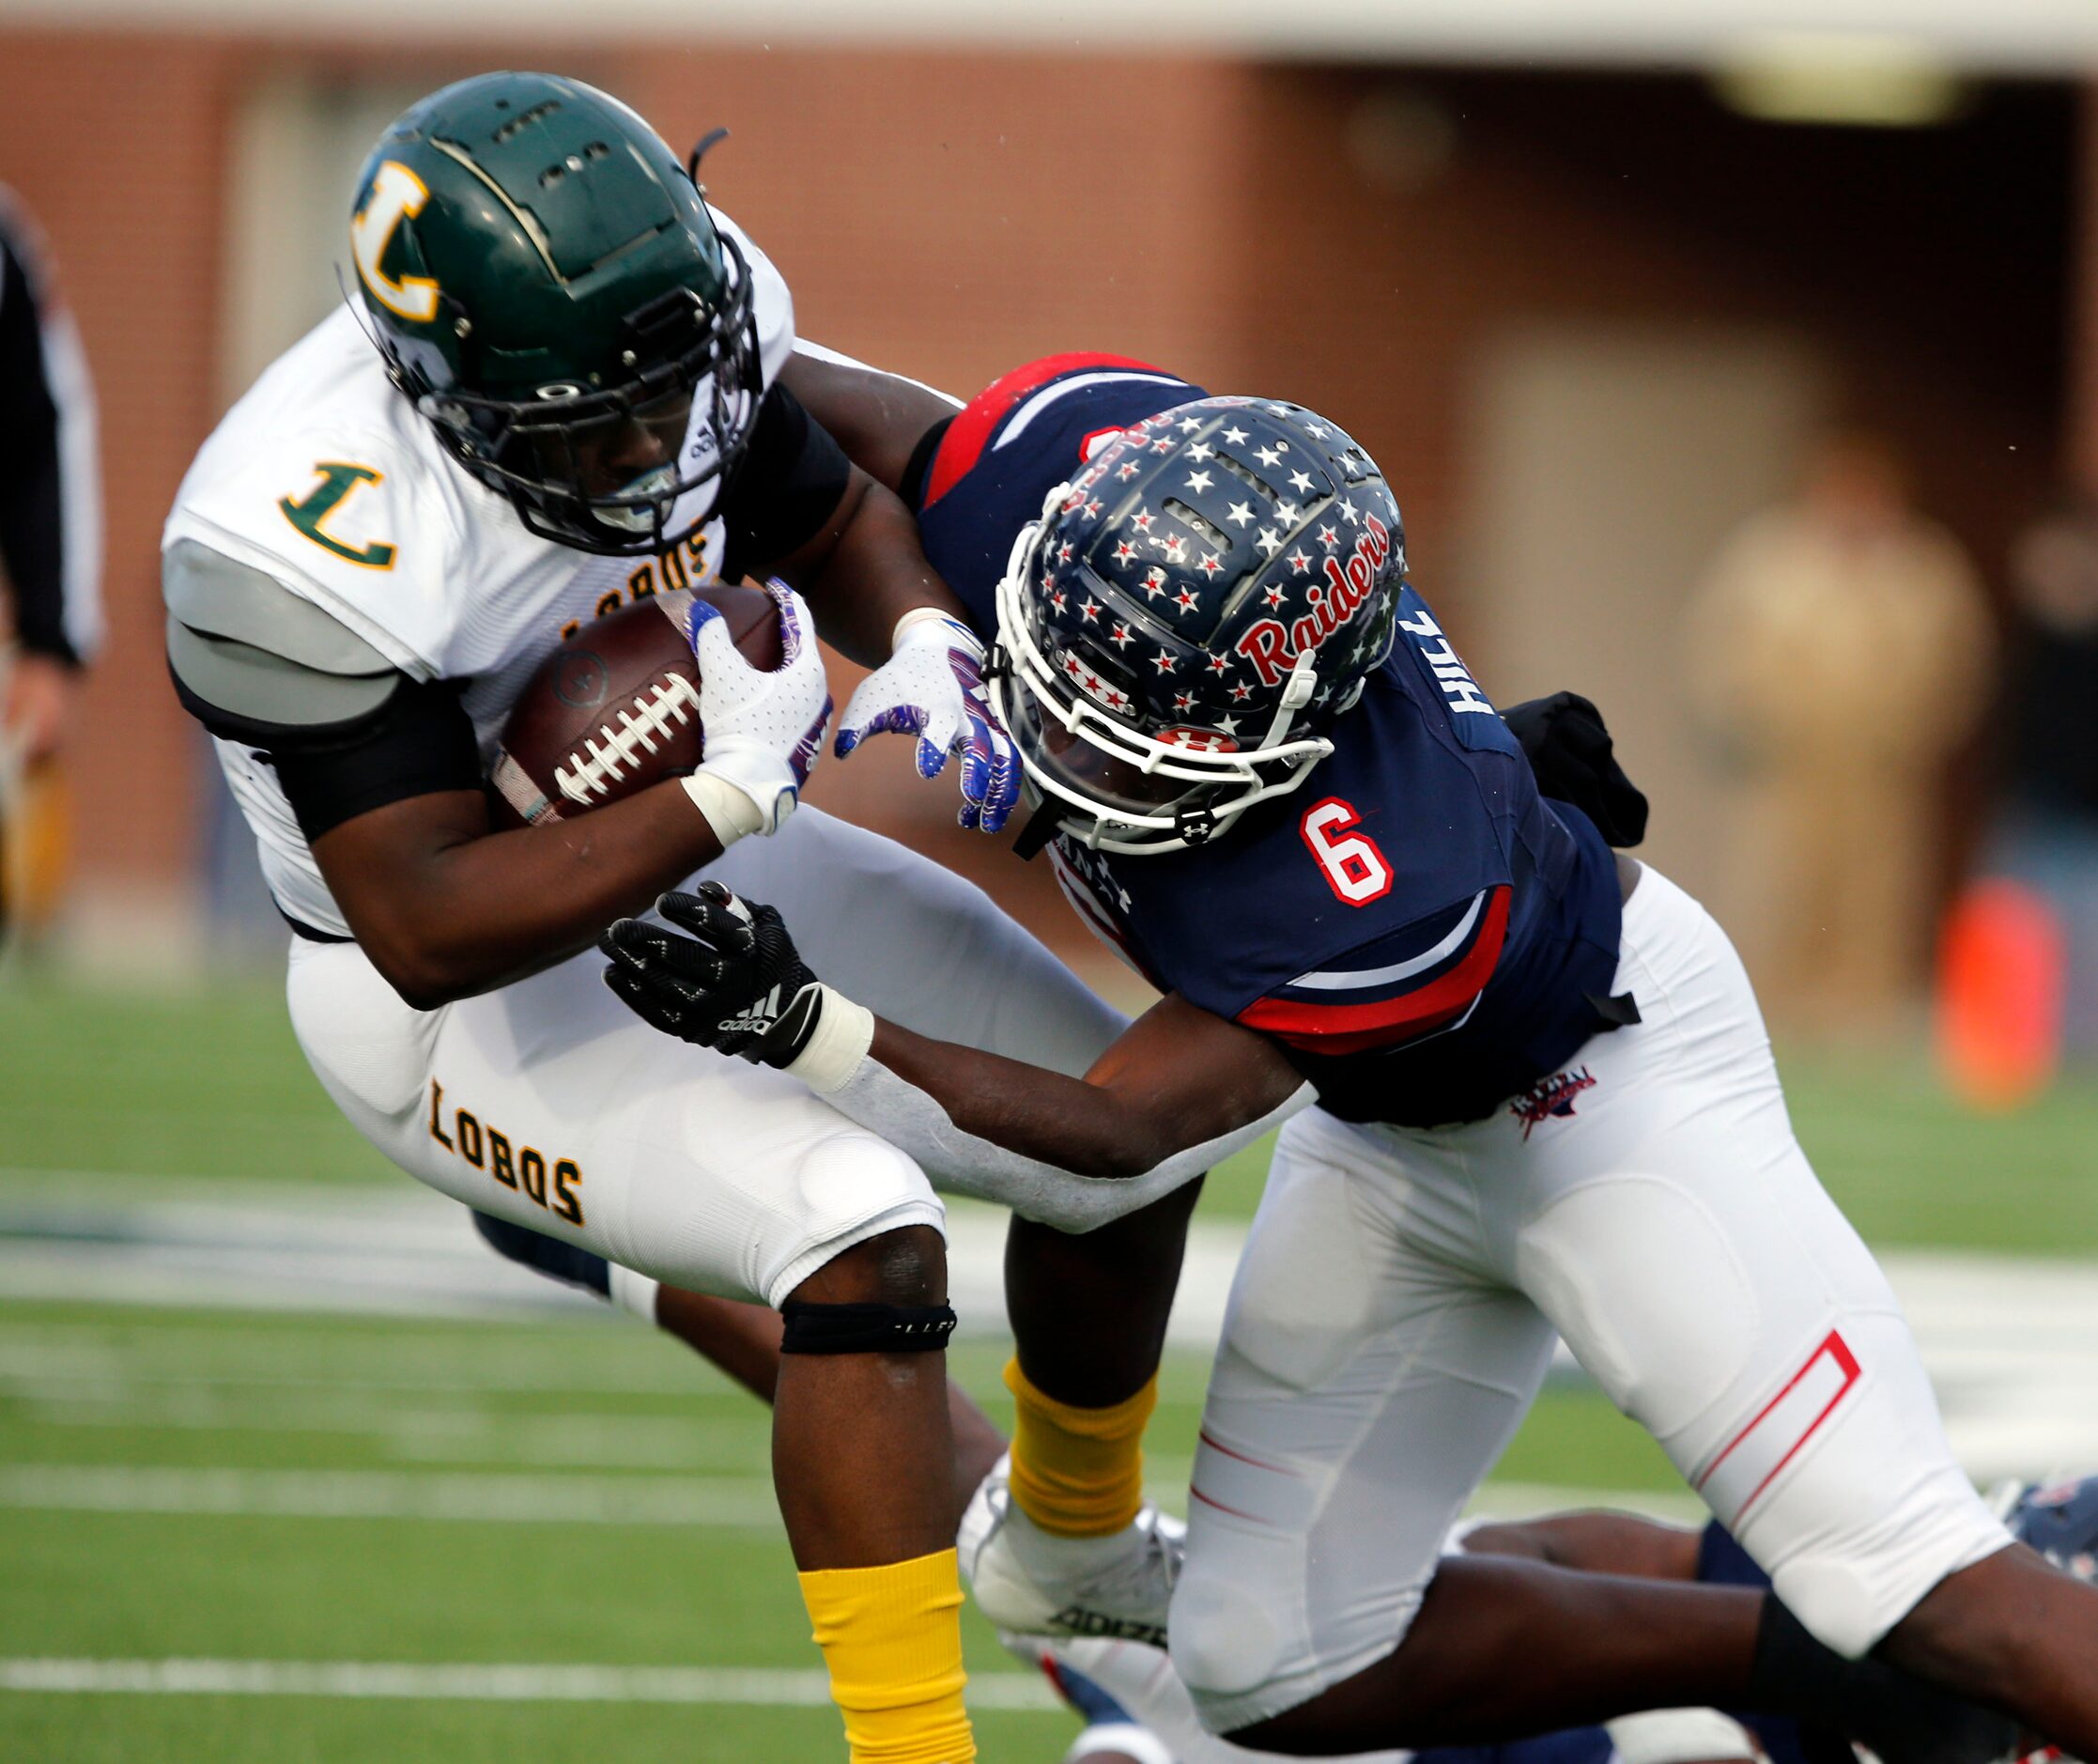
(616, 708)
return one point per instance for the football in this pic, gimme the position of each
(617, 706)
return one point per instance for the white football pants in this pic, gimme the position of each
(1393, 1316)
(550, 1103)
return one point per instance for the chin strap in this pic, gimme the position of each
(1041, 829)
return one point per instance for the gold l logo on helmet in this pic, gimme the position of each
(396, 195)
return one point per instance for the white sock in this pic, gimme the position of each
(634, 1291)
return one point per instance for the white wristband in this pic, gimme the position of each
(729, 810)
(1122, 1739)
(844, 1033)
(918, 615)
(1679, 1736)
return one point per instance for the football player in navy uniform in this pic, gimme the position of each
(1528, 1092)
(1135, 1710)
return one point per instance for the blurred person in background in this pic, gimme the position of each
(2047, 831)
(50, 559)
(1840, 649)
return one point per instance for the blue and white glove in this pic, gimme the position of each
(933, 687)
(764, 731)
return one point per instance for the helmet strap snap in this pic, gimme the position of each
(1195, 822)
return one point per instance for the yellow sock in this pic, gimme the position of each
(892, 1638)
(1078, 1473)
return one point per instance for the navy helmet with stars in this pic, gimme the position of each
(1182, 626)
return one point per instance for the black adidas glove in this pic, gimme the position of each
(1569, 749)
(738, 984)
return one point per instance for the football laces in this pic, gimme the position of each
(601, 759)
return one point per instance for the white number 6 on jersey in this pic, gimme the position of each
(1355, 869)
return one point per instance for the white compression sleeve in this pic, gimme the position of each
(962, 1163)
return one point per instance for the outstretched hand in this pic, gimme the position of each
(932, 687)
(720, 974)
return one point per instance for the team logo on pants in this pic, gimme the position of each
(1551, 1096)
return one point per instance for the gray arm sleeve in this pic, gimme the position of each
(253, 661)
(962, 1163)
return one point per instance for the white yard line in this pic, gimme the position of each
(720, 1503)
(747, 1687)
(717, 1503)
(2008, 1340)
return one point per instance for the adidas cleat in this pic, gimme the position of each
(1027, 1579)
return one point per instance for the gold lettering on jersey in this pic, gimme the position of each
(437, 1105)
(311, 512)
(522, 1168)
(679, 567)
(396, 195)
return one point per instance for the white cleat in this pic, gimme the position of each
(1032, 1581)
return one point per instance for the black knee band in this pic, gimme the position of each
(1868, 1700)
(865, 1328)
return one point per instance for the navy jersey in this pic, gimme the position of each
(1424, 933)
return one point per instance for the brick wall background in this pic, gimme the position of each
(1355, 238)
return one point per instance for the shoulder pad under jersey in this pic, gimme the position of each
(255, 662)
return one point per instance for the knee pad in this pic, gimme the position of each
(1646, 1287)
(1223, 1639)
(865, 1328)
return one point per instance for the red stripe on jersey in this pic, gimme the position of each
(1350, 1028)
(970, 432)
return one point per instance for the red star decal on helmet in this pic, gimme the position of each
(1175, 548)
(1164, 661)
(1274, 595)
(1090, 610)
(1123, 636)
(1240, 689)
(1183, 701)
(1093, 507)
(1299, 562)
(1063, 552)
(1211, 564)
(1123, 550)
(1328, 537)
(1186, 601)
(1164, 445)
(1220, 664)
(1142, 520)
(1127, 470)
(1059, 599)
(1154, 583)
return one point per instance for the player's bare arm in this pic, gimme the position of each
(447, 908)
(879, 419)
(1180, 1078)
(863, 569)
(1595, 1542)
(1178, 1090)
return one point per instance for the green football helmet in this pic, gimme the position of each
(547, 283)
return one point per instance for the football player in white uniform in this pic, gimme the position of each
(575, 402)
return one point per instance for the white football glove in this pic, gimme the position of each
(933, 687)
(762, 731)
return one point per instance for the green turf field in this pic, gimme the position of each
(273, 1495)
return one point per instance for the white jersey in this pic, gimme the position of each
(394, 540)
